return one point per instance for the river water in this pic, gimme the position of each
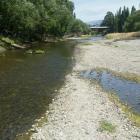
(127, 90)
(28, 83)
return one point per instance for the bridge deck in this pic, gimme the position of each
(102, 27)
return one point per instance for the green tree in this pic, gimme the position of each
(109, 21)
(133, 22)
(133, 10)
(36, 19)
(117, 23)
(79, 27)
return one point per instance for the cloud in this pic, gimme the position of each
(89, 10)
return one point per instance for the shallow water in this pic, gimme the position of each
(28, 83)
(128, 91)
(91, 39)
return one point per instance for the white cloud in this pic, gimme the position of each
(89, 10)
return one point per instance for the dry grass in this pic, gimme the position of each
(134, 117)
(123, 36)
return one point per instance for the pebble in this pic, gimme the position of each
(75, 92)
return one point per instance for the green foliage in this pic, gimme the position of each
(109, 21)
(19, 18)
(107, 126)
(79, 27)
(36, 19)
(133, 22)
(133, 10)
(7, 40)
(123, 20)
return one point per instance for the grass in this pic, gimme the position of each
(107, 127)
(130, 76)
(123, 36)
(134, 117)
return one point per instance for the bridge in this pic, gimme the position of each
(99, 29)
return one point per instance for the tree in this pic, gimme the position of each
(133, 22)
(118, 22)
(109, 21)
(133, 10)
(36, 19)
(79, 27)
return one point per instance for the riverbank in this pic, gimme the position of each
(81, 107)
(7, 43)
(123, 36)
(11, 43)
(2, 49)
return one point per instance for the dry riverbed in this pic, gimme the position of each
(82, 111)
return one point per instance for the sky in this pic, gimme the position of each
(89, 10)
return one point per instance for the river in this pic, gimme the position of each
(29, 82)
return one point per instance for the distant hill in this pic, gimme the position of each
(95, 22)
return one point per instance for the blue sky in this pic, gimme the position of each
(89, 10)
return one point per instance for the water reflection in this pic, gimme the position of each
(128, 91)
(27, 84)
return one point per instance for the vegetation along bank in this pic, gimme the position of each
(29, 20)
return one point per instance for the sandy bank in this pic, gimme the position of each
(80, 106)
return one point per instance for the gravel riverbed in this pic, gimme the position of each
(76, 113)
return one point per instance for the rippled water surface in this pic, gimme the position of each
(28, 83)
